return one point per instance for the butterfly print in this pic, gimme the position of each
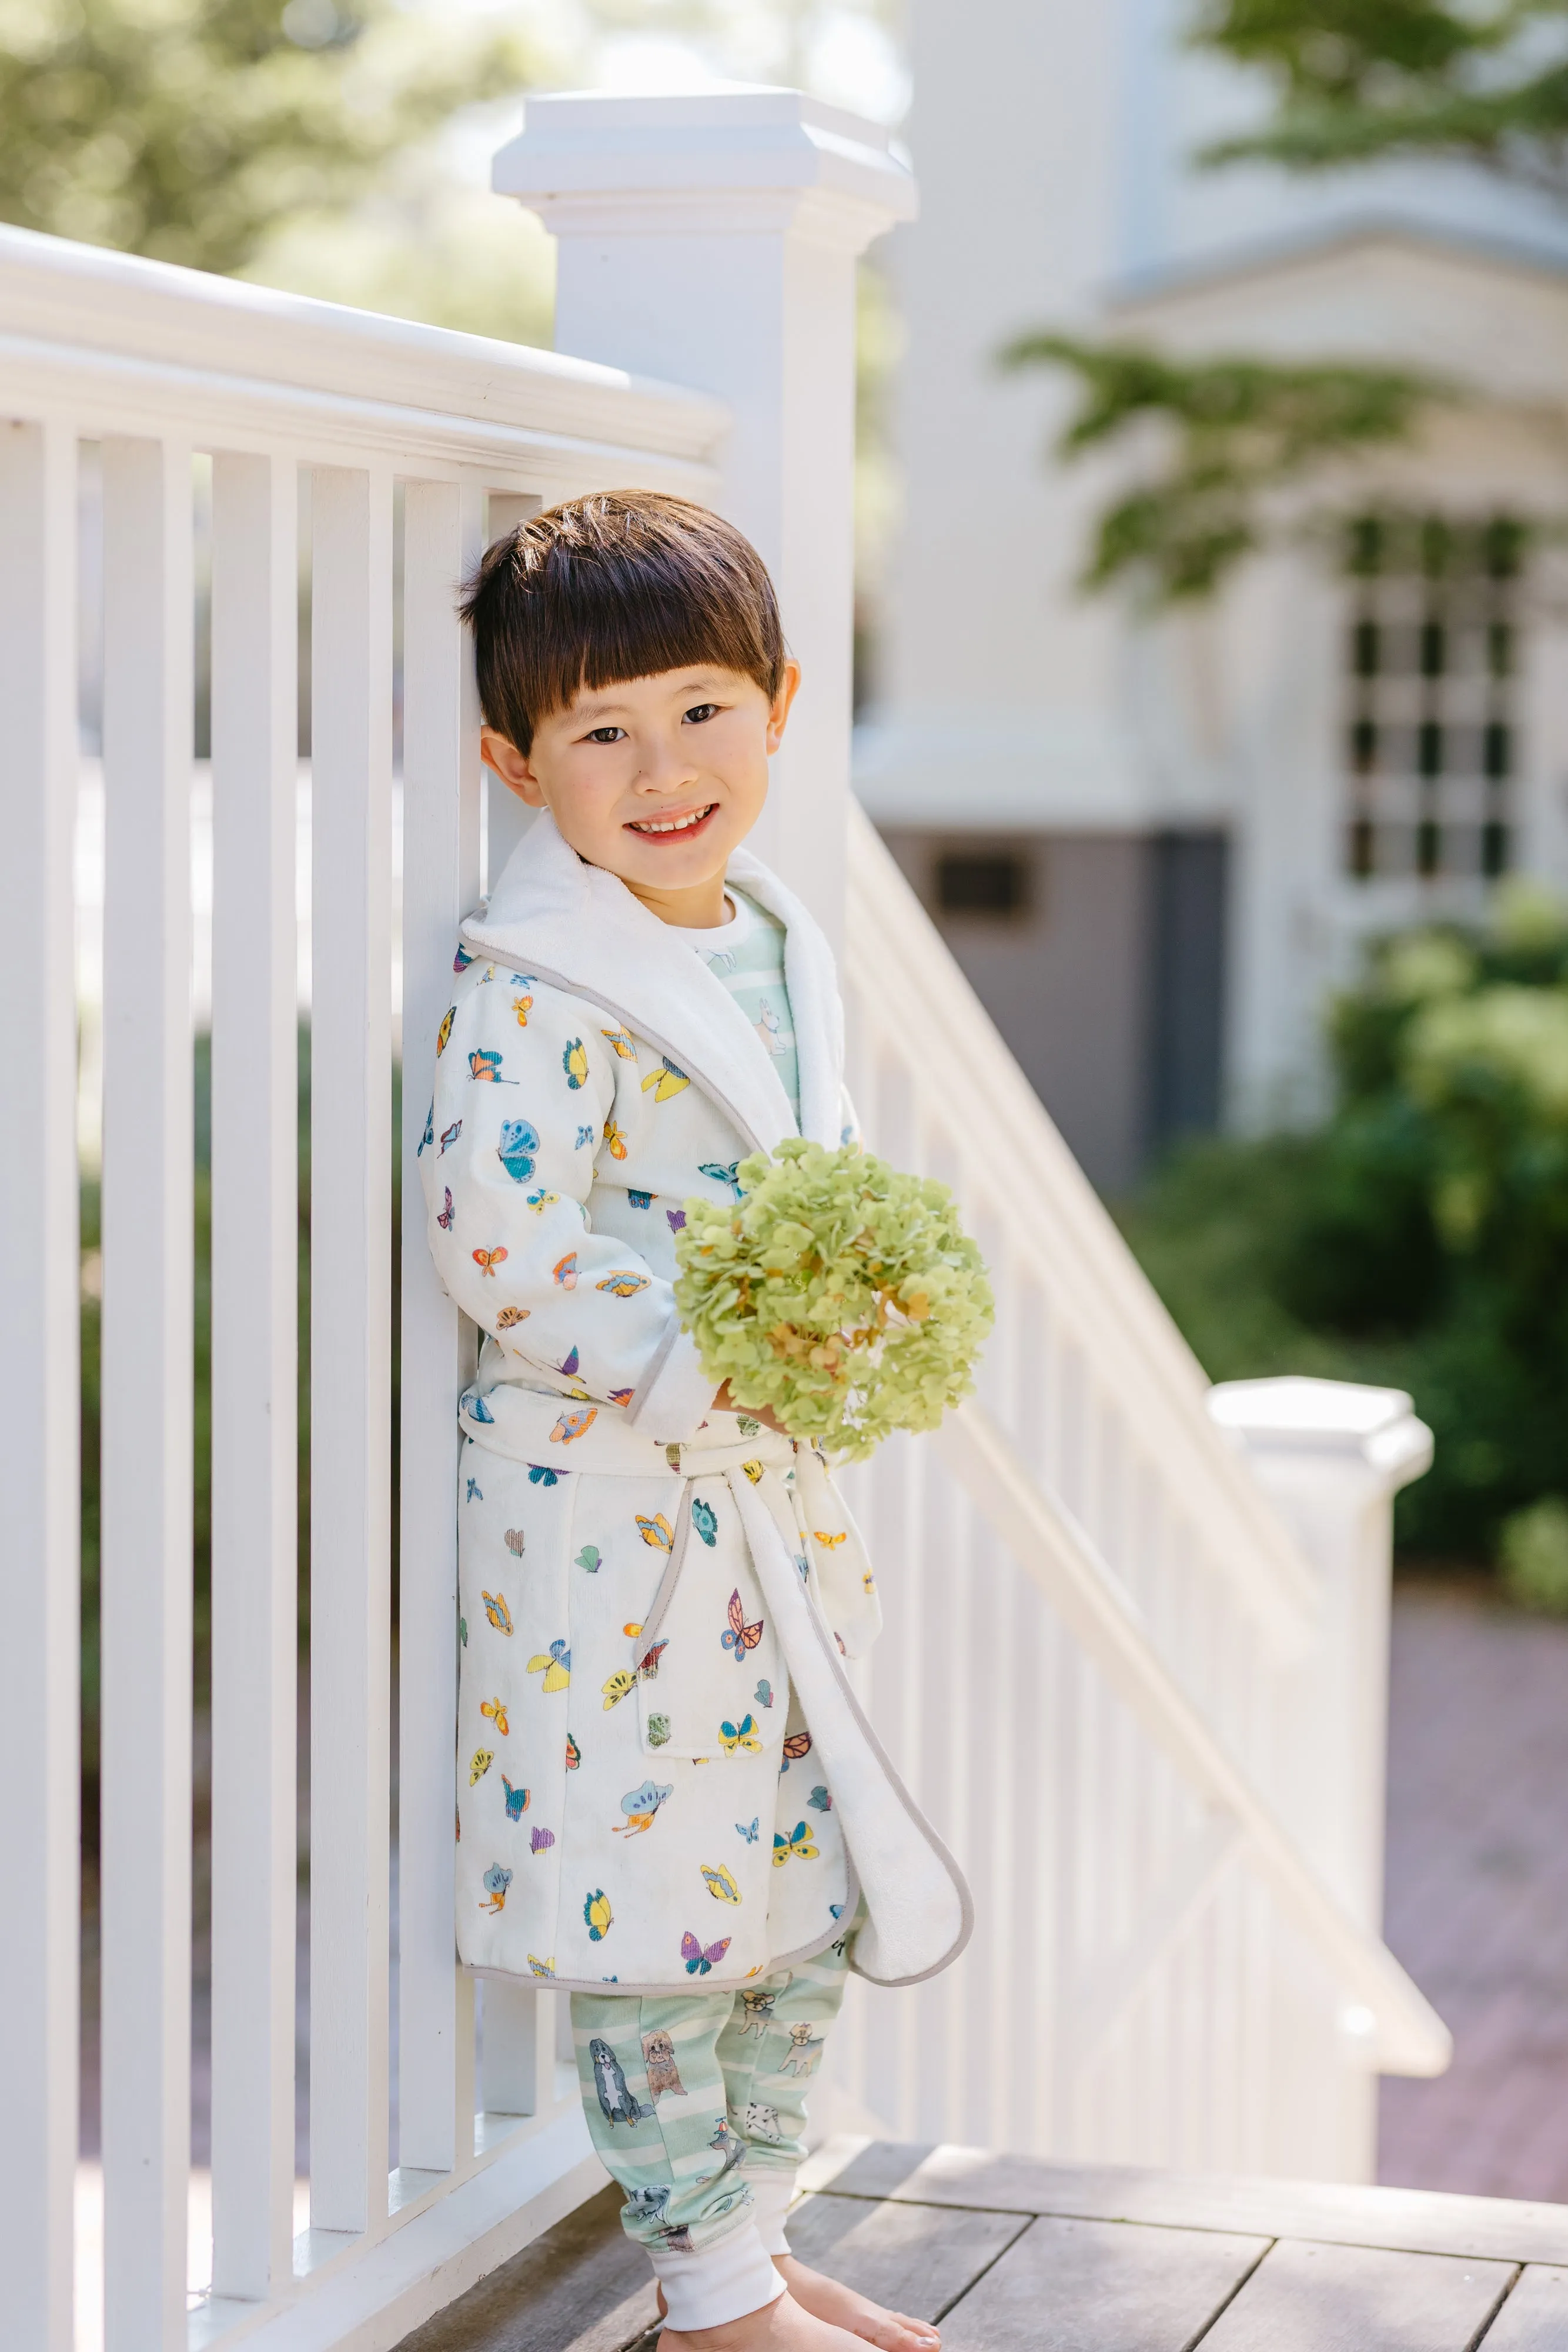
(640, 1200)
(497, 1882)
(763, 1693)
(799, 1744)
(720, 1884)
(541, 1474)
(665, 1081)
(740, 1735)
(477, 1410)
(516, 1542)
(443, 1216)
(495, 1710)
(572, 1424)
(614, 1141)
(622, 1284)
(444, 1035)
(496, 1611)
(568, 1367)
(590, 1557)
(462, 960)
(428, 1138)
(820, 1799)
(487, 1067)
(488, 1260)
(573, 1753)
(722, 1174)
(584, 1134)
(624, 1049)
(640, 1807)
(598, 1916)
(655, 1532)
(677, 1220)
(476, 1492)
(479, 1764)
(705, 1518)
(541, 1201)
(828, 1542)
(620, 1685)
(574, 1062)
(518, 1143)
(564, 1270)
(541, 1967)
(510, 1316)
(699, 1959)
(449, 1136)
(747, 1829)
(799, 1842)
(539, 1841)
(516, 1800)
(740, 1637)
(556, 1667)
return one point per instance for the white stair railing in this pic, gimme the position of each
(1107, 1672)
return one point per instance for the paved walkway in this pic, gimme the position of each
(1477, 1891)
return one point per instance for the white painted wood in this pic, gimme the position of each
(146, 1473)
(39, 1448)
(517, 2072)
(442, 534)
(351, 1227)
(254, 1275)
(764, 199)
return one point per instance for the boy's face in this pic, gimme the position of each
(655, 779)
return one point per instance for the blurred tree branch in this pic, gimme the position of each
(1353, 81)
(1356, 80)
(189, 129)
(1228, 432)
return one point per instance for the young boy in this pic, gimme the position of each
(668, 1797)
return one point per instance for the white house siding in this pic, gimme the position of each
(1050, 145)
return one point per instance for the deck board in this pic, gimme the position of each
(1102, 2286)
(1535, 2316)
(918, 2259)
(1010, 2254)
(1409, 2220)
(1332, 2298)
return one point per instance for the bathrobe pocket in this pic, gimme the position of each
(711, 1678)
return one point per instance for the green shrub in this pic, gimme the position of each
(1420, 1237)
(1532, 1552)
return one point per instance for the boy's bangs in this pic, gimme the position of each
(624, 584)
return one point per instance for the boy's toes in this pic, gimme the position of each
(893, 2332)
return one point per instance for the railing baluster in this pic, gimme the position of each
(255, 1272)
(442, 531)
(38, 1602)
(147, 1306)
(351, 1331)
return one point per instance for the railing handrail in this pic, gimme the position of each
(1056, 1551)
(137, 315)
(892, 951)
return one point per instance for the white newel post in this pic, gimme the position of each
(711, 240)
(1331, 1456)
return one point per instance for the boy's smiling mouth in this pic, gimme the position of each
(661, 828)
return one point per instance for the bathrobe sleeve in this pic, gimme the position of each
(524, 1089)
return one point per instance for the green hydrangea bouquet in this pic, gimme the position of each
(844, 1297)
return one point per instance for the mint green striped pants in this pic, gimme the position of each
(697, 2104)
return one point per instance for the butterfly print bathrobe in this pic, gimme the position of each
(663, 1776)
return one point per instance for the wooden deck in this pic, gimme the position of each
(1012, 2255)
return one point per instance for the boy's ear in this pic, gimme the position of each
(501, 755)
(779, 716)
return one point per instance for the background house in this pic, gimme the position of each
(1154, 849)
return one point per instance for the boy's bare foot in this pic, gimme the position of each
(780, 2325)
(840, 2309)
(856, 2315)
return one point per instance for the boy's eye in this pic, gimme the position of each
(605, 734)
(699, 711)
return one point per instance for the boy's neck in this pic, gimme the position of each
(699, 907)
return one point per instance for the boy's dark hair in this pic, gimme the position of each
(620, 585)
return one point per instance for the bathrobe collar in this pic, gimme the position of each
(579, 928)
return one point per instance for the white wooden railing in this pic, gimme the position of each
(1142, 1698)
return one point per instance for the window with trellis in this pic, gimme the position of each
(1432, 675)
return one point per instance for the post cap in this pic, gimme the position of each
(730, 161)
(1298, 1415)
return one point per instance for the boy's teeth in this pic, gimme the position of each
(674, 824)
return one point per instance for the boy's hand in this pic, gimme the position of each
(725, 1402)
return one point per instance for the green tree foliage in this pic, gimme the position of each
(1421, 1236)
(189, 129)
(1355, 80)
(1232, 432)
